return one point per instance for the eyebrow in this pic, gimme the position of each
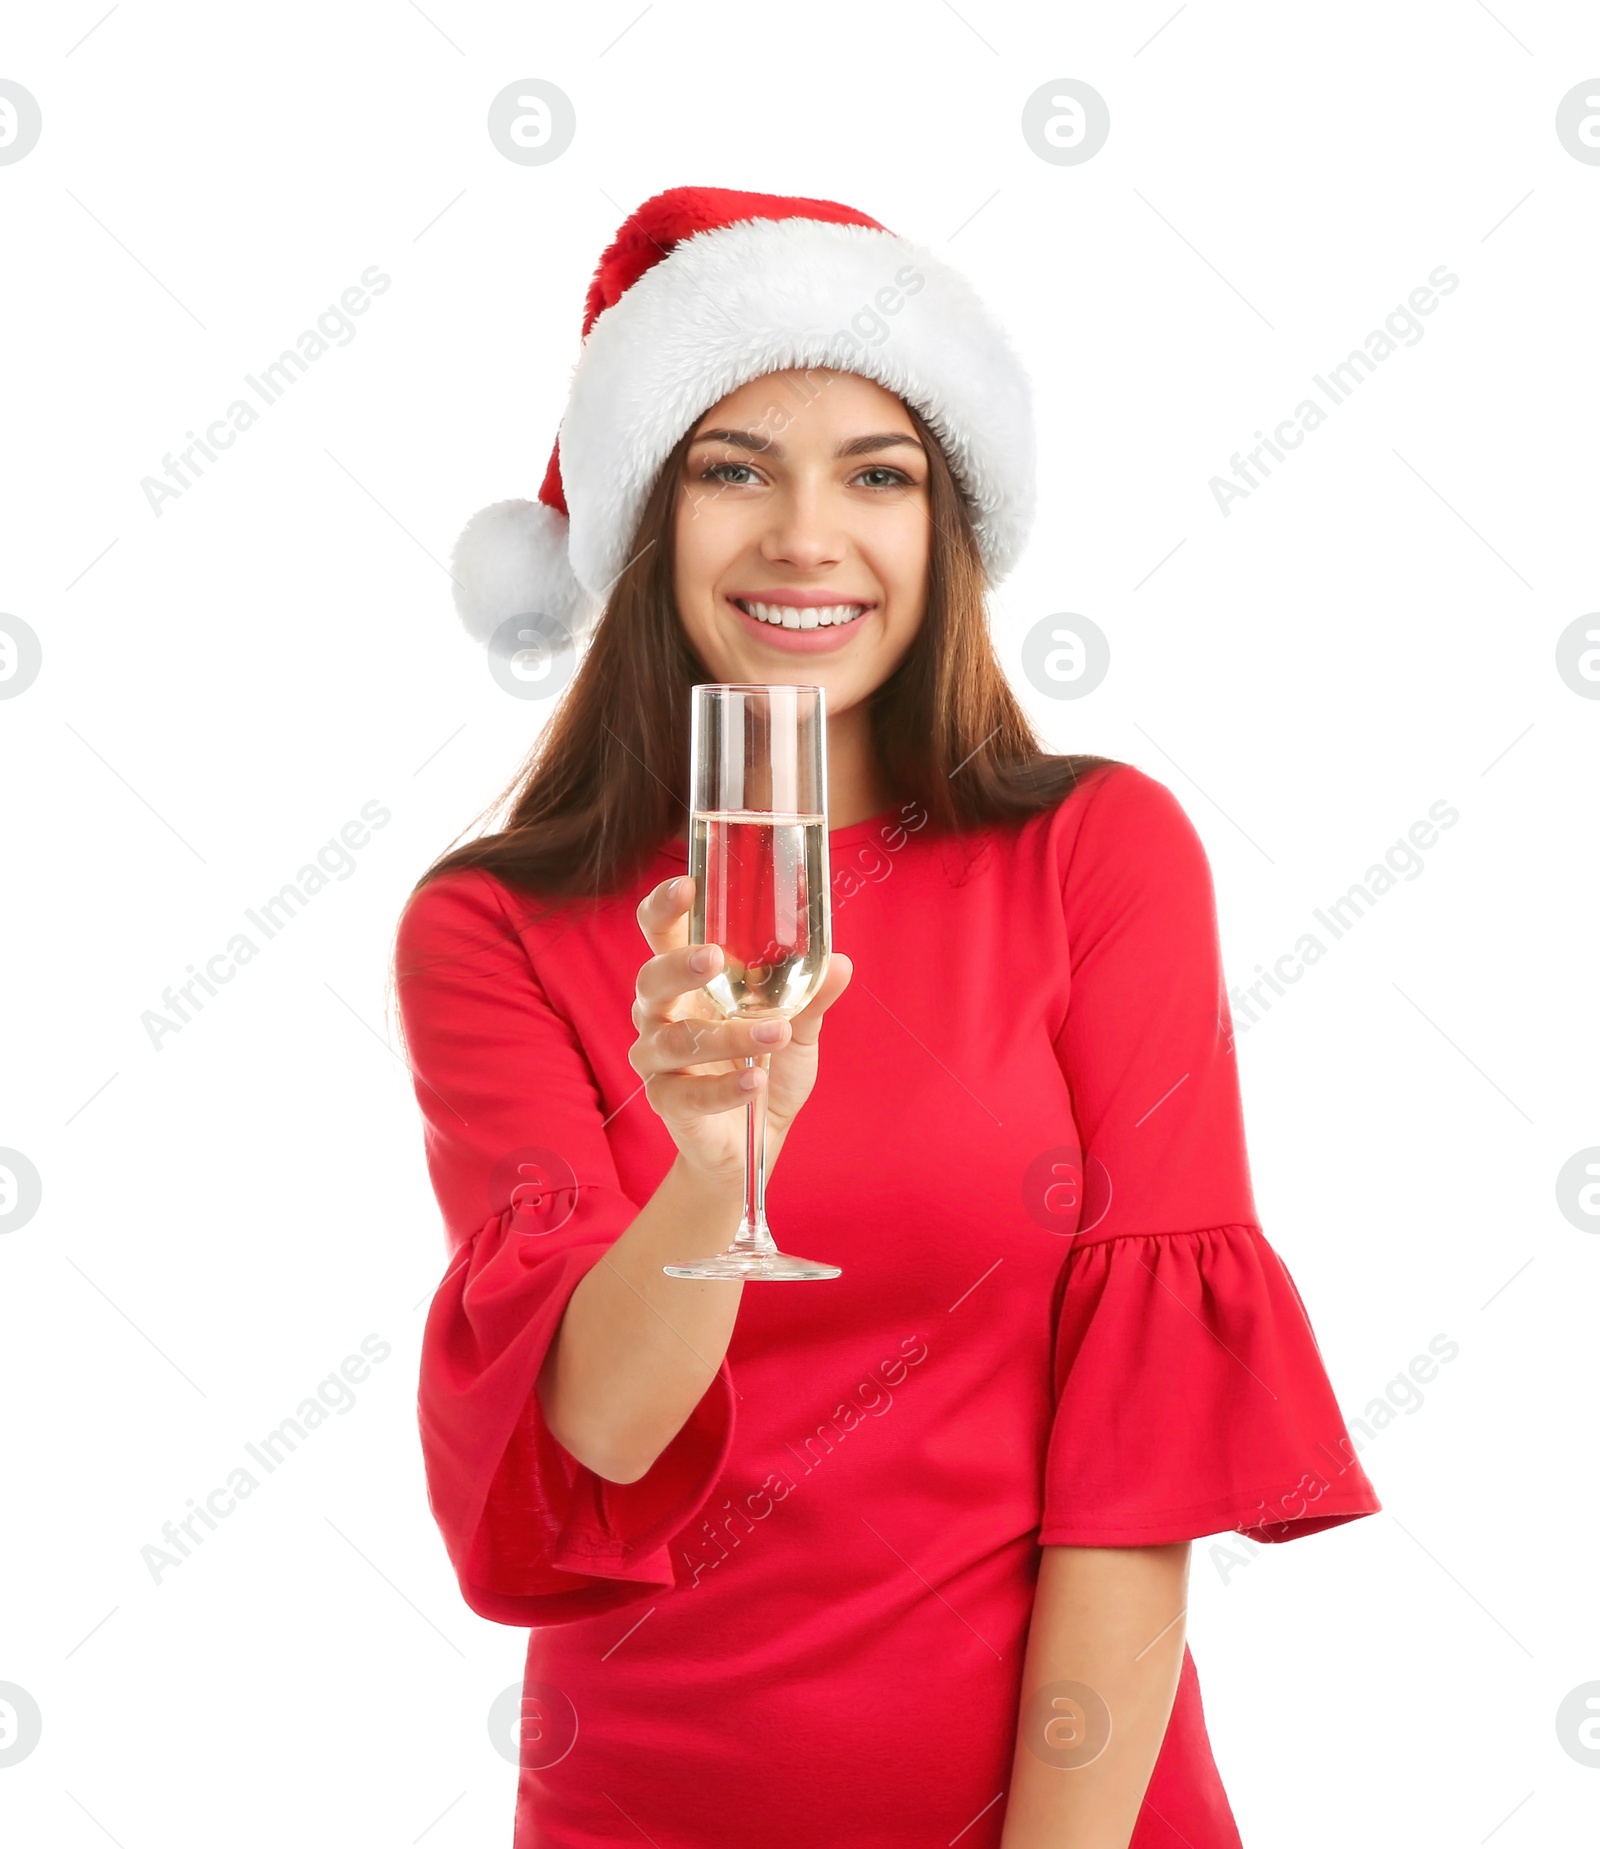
(856, 446)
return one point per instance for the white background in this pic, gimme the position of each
(1372, 631)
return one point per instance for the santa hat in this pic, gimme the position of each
(701, 291)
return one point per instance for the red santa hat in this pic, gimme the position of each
(701, 291)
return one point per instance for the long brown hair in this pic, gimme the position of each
(607, 781)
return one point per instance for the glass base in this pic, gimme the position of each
(743, 1263)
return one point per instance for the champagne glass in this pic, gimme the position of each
(758, 854)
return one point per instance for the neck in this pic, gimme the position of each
(855, 790)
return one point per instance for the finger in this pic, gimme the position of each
(663, 913)
(807, 1024)
(675, 1045)
(664, 979)
(678, 1095)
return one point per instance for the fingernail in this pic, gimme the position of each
(679, 889)
(700, 960)
(747, 1079)
(769, 1033)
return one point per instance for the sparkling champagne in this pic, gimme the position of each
(761, 892)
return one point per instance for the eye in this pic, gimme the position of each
(896, 477)
(714, 471)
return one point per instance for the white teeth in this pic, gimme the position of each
(788, 617)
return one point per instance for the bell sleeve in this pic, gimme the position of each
(518, 1156)
(1190, 1393)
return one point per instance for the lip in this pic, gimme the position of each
(802, 641)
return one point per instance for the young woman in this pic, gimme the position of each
(899, 1558)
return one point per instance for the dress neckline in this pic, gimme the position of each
(674, 849)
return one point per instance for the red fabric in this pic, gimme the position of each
(1059, 1322)
(654, 230)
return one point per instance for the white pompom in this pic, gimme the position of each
(511, 560)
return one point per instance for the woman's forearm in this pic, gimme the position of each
(1110, 1621)
(636, 1349)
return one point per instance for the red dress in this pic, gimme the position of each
(1058, 1322)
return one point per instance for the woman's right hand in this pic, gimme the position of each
(691, 1057)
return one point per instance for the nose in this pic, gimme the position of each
(803, 531)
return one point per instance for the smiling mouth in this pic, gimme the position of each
(787, 616)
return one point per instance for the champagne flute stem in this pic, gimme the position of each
(753, 1235)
